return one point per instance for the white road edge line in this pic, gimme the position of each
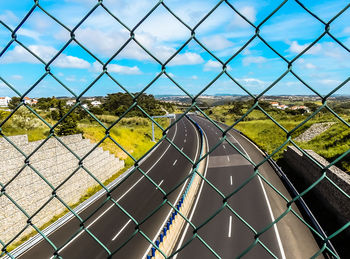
(197, 200)
(159, 184)
(93, 222)
(120, 231)
(231, 179)
(229, 227)
(177, 199)
(280, 245)
(174, 162)
(228, 158)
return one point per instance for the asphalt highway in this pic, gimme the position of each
(138, 196)
(225, 234)
(228, 234)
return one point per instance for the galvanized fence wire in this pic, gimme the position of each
(47, 73)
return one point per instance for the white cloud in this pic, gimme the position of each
(187, 58)
(29, 33)
(216, 42)
(253, 60)
(305, 64)
(249, 12)
(71, 79)
(124, 69)
(329, 82)
(169, 74)
(65, 61)
(346, 30)
(252, 82)
(310, 66)
(295, 47)
(17, 77)
(114, 68)
(19, 54)
(213, 65)
(194, 77)
(8, 17)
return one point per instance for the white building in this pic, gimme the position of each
(95, 103)
(4, 101)
(70, 102)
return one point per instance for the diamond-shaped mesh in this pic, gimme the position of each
(156, 247)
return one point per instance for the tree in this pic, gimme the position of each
(237, 108)
(24, 119)
(69, 125)
(118, 103)
(14, 102)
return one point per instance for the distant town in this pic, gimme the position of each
(276, 101)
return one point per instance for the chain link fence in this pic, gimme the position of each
(47, 73)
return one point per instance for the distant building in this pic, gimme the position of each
(282, 107)
(301, 107)
(96, 103)
(34, 101)
(274, 104)
(27, 100)
(30, 101)
(4, 101)
(85, 106)
(70, 102)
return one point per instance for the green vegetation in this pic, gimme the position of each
(133, 133)
(268, 136)
(118, 103)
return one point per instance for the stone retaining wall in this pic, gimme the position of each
(55, 163)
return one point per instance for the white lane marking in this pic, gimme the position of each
(159, 184)
(186, 135)
(184, 140)
(120, 231)
(231, 179)
(229, 226)
(197, 200)
(228, 158)
(224, 146)
(177, 199)
(110, 207)
(174, 162)
(280, 245)
(182, 148)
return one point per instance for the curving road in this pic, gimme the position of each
(228, 234)
(138, 197)
(225, 234)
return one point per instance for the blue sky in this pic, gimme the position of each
(289, 31)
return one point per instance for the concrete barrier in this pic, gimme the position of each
(306, 169)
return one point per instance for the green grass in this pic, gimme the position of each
(134, 134)
(268, 136)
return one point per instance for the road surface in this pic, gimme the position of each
(138, 196)
(228, 234)
(225, 233)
